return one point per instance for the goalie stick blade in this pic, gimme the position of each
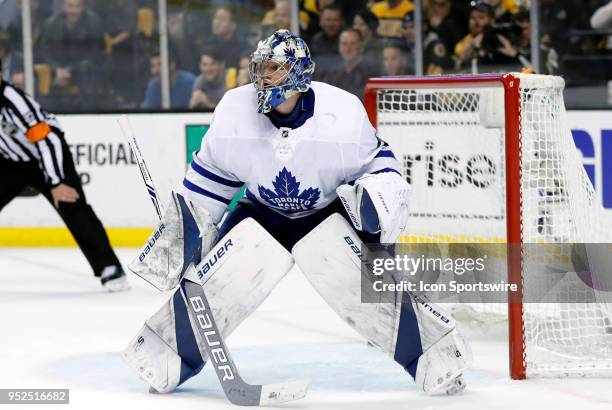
(242, 394)
(237, 391)
(283, 392)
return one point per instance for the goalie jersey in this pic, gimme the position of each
(293, 170)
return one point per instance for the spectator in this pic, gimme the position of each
(181, 85)
(279, 18)
(602, 18)
(391, 14)
(441, 19)
(282, 15)
(367, 24)
(71, 42)
(213, 81)
(48, 8)
(353, 71)
(8, 13)
(119, 18)
(437, 57)
(555, 23)
(483, 44)
(312, 8)
(315, 6)
(123, 70)
(225, 37)
(12, 68)
(243, 77)
(408, 33)
(324, 45)
(396, 59)
(560, 21)
(503, 12)
(522, 43)
(189, 26)
(350, 7)
(16, 29)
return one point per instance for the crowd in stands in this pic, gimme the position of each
(104, 55)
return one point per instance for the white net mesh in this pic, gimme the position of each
(450, 139)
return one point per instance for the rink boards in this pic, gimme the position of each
(113, 185)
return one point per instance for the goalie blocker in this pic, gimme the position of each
(185, 234)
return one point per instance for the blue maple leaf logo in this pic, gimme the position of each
(287, 195)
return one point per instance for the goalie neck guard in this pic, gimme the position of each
(281, 53)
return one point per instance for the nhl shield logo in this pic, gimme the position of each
(287, 196)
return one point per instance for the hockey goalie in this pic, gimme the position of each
(319, 184)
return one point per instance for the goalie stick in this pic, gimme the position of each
(236, 389)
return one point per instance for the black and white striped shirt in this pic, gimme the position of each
(28, 133)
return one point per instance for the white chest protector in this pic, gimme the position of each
(292, 171)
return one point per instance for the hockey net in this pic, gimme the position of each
(491, 159)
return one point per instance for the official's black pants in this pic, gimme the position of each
(79, 217)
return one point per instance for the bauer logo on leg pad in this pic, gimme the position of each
(356, 248)
(432, 309)
(213, 257)
(352, 245)
(250, 244)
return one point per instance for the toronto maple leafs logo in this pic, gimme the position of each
(287, 195)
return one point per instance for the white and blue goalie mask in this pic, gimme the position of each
(280, 67)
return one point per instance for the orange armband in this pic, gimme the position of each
(38, 132)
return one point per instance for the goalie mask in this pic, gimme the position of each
(280, 67)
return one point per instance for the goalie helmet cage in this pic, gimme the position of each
(542, 195)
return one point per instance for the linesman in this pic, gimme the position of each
(34, 153)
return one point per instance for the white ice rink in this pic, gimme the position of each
(59, 329)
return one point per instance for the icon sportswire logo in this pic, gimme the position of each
(286, 194)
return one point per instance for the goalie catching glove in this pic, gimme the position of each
(377, 203)
(185, 231)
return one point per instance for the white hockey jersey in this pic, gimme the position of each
(292, 171)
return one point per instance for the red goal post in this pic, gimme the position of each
(403, 97)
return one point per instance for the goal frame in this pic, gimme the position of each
(512, 115)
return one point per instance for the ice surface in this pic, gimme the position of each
(60, 329)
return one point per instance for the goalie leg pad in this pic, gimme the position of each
(153, 352)
(409, 329)
(238, 274)
(185, 232)
(329, 257)
(440, 368)
(445, 352)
